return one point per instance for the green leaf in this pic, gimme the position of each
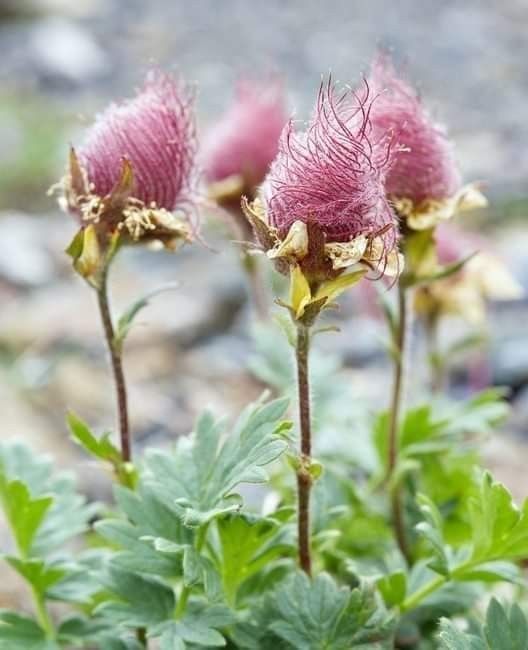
(247, 545)
(197, 480)
(67, 516)
(451, 638)
(482, 412)
(101, 448)
(313, 614)
(148, 518)
(431, 529)
(24, 513)
(21, 633)
(125, 322)
(199, 627)
(393, 588)
(505, 630)
(499, 528)
(140, 601)
(39, 574)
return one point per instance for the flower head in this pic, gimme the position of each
(424, 181)
(244, 142)
(137, 165)
(322, 207)
(328, 181)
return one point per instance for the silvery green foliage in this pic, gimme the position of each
(182, 562)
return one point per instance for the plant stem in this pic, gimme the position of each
(141, 636)
(394, 422)
(415, 599)
(437, 368)
(199, 542)
(304, 479)
(43, 617)
(117, 365)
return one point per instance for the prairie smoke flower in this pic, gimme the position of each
(424, 182)
(240, 148)
(323, 208)
(484, 277)
(137, 166)
(323, 203)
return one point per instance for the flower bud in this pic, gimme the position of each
(137, 165)
(423, 182)
(323, 207)
(240, 148)
(330, 177)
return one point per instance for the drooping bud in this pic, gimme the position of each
(241, 146)
(137, 166)
(424, 181)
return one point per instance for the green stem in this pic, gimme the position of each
(199, 542)
(43, 616)
(415, 599)
(304, 479)
(116, 363)
(436, 365)
(394, 422)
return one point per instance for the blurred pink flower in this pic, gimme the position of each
(155, 132)
(427, 170)
(244, 141)
(333, 175)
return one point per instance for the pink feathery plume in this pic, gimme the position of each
(155, 132)
(245, 140)
(333, 174)
(427, 170)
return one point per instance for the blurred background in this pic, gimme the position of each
(62, 61)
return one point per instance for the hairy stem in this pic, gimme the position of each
(117, 366)
(394, 421)
(304, 479)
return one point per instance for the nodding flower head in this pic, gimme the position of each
(423, 182)
(327, 185)
(239, 149)
(137, 165)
